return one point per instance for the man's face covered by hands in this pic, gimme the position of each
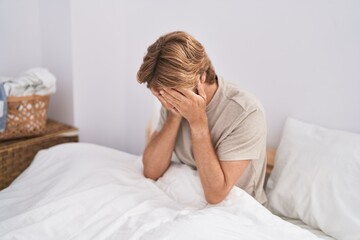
(189, 103)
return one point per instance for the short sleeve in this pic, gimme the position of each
(246, 140)
(162, 118)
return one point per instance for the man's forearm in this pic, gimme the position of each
(211, 175)
(158, 152)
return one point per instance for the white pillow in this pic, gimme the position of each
(316, 178)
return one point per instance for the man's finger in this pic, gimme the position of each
(201, 91)
(186, 92)
(175, 93)
(154, 92)
(172, 96)
(165, 103)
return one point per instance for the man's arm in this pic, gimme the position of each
(217, 177)
(158, 152)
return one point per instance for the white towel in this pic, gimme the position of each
(35, 81)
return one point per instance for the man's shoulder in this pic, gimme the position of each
(240, 98)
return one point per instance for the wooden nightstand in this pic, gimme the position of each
(16, 155)
(270, 155)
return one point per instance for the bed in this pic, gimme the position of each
(88, 191)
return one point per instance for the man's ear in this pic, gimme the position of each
(203, 77)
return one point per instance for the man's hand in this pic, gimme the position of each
(187, 103)
(164, 103)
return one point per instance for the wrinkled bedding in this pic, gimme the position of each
(87, 191)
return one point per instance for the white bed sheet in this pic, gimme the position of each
(87, 191)
(320, 234)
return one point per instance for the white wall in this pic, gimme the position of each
(20, 44)
(55, 25)
(301, 58)
(104, 76)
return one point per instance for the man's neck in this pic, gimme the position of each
(210, 90)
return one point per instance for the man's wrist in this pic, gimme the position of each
(174, 118)
(200, 127)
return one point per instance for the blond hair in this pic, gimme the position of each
(175, 60)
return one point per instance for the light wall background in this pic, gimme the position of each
(300, 58)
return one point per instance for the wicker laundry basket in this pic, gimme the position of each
(26, 116)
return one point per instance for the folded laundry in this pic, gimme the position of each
(35, 81)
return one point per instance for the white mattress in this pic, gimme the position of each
(86, 191)
(303, 225)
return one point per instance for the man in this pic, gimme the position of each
(209, 123)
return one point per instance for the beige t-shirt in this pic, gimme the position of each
(238, 130)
